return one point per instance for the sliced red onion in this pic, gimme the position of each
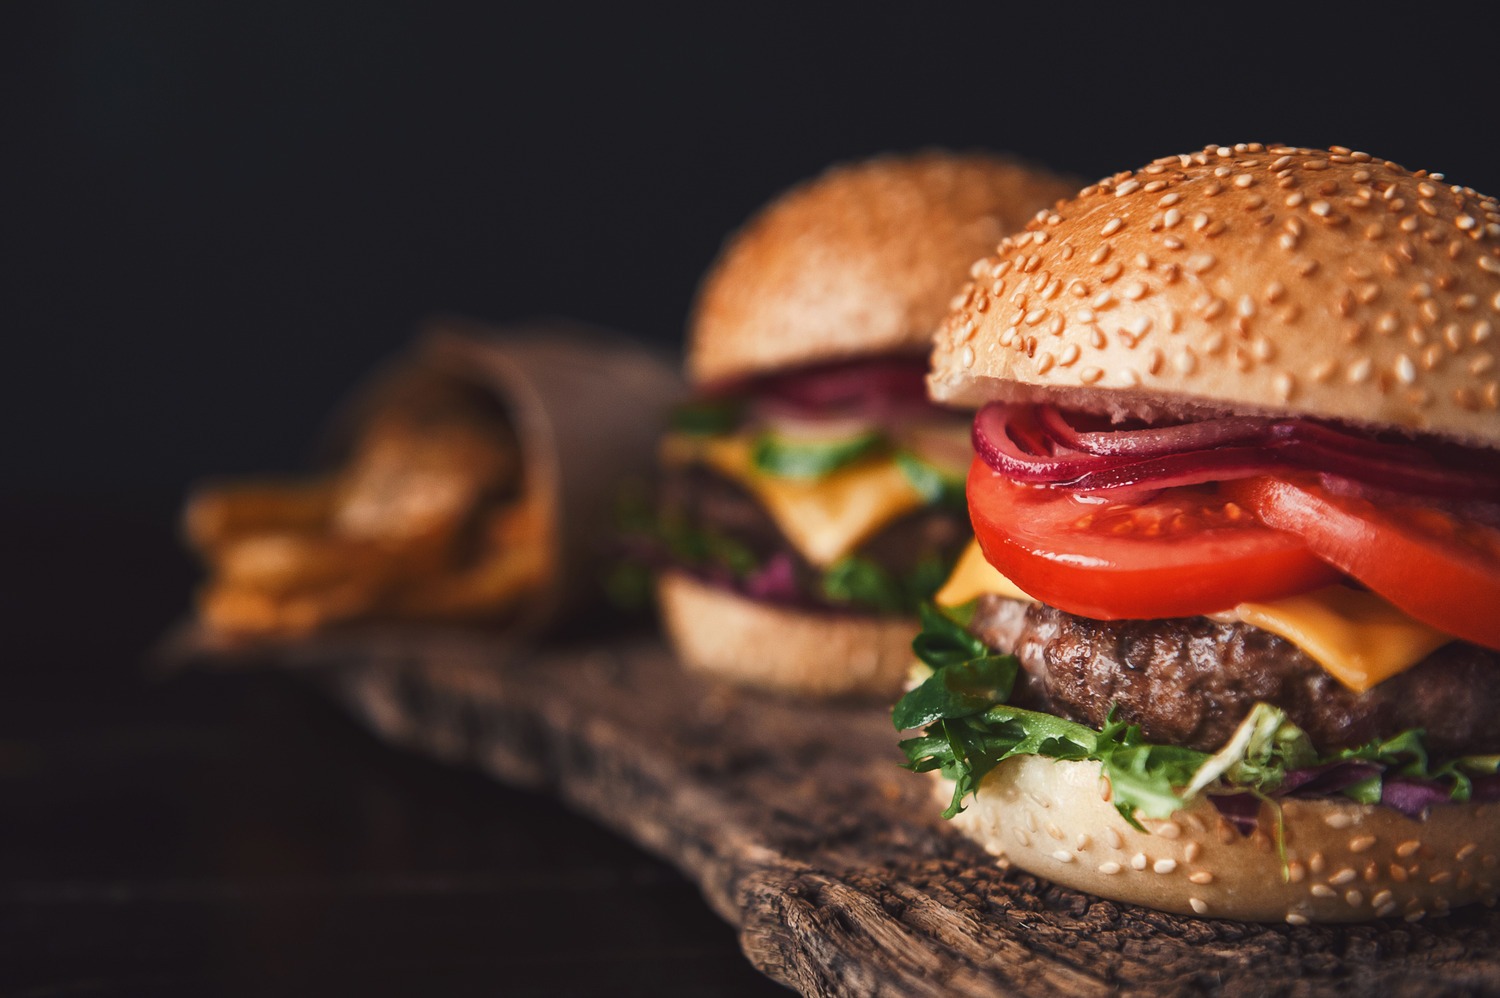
(1037, 445)
(1153, 440)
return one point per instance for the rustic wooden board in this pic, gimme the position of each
(802, 831)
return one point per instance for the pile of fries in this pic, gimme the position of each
(427, 518)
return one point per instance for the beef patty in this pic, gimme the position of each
(1191, 681)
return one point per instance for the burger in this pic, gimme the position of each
(813, 494)
(1228, 640)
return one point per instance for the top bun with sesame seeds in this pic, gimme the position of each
(859, 261)
(1253, 279)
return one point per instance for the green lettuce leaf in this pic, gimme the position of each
(707, 417)
(809, 460)
(936, 487)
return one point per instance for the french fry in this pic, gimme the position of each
(217, 514)
(283, 563)
(514, 561)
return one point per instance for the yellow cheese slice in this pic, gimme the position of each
(824, 519)
(1359, 638)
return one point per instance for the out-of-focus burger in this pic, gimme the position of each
(1227, 644)
(813, 494)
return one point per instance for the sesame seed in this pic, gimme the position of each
(1111, 272)
(1097, 339)
(967, 356)
(1032, 823)
(1103, 300)
(1090, 375)
(1323, 891)
(1083, 316)
(1284, 385)
(1202, 877)
(1405, 370)
(1441, 877)
(1354, 899)
(1315, 862)
(1200, 262)
(1467, 850)
(1138, 861)
(1020, 835)
(1069, 356)
(1044, 364)
(1171, 218)
(1054, 831)
(1185, 362)
(1101, 252)
(1338, 820)
(1109, 869)
(1138, 326)
(1199, 905)
(1128, 187)
(1344, 876)
(1408, 848)
(1113, 837)
(1292, 918)
(1062, 856)
(1134, 291)
(1243, 180)
(1190, 852)
(1034, 316)
(1296, 872)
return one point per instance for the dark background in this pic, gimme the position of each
(217, 216)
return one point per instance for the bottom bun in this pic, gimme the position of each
(1344, 861)
(720, 632)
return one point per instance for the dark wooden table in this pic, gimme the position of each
(237, 834)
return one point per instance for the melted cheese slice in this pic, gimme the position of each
(824, 519)
(1359, 638)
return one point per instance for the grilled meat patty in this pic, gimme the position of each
(1190, 681)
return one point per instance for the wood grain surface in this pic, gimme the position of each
(801, 830)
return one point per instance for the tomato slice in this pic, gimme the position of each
(1440, 568)
(1183, 552)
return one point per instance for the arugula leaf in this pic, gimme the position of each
(944, 638)
(958, 691)
(809, 460)
(707, 417)
(935, 486)
(861, 582)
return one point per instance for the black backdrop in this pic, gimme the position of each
(219, 215)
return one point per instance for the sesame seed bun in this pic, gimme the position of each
(719, 632)
(859, 261)
(1247, 279)
(1344, 861)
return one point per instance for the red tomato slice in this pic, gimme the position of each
(1184, 552)
(1441, 569)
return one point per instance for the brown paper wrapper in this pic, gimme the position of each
(589, 407)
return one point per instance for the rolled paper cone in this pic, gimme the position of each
(587, 407)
